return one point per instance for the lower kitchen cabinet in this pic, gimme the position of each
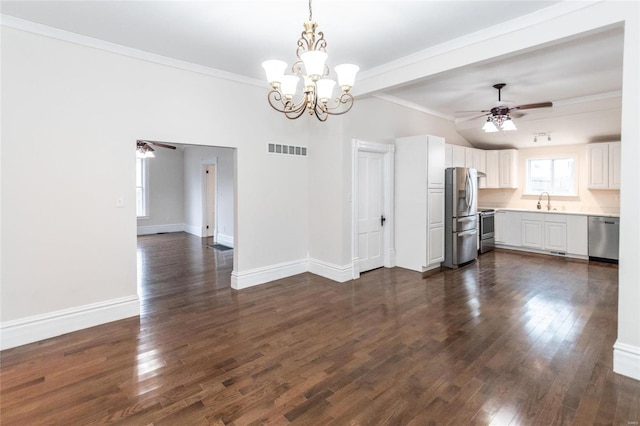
(508, 228)
(554, 233)
(532, 233)
(578, 235)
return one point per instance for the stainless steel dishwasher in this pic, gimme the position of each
(604, 234)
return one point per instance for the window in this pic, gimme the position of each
(141, 187)
(553, 175)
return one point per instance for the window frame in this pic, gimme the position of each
(144, 187)
(527, 190)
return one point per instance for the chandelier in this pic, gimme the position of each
(317, 98)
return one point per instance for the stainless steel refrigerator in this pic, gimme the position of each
(461, 216)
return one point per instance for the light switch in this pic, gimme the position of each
(120, 202)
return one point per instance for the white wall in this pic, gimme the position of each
(194, 158)
(65, 245)
(589, 201)
(165, 209)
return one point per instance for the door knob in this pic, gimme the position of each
(382, 219)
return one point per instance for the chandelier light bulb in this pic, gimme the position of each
(289, 85)
(346, 75)
(325, 89)
(274, 70)
(314, 63)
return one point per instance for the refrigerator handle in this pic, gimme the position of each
(469, 190)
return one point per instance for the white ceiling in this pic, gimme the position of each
(236, 36)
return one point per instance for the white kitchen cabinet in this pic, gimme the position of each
(435, 219)
(458, 156)
(469, 158)
(577, 235)
(614, 165)
(508, 167)
(532, 230)
(603, 161)
(419, 202)
(492, 169)
(448, 155)
(508, 228)
(435, 162)
(555, 233)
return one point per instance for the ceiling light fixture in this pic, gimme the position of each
(541, 135)
(143, 150)
(499, 118)
(318, 90)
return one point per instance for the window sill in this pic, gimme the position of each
(143, 217)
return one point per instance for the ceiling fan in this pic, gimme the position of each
(144, 150)
(501, 109)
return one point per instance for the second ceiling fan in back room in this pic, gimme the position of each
(499, 117)
(144, 150)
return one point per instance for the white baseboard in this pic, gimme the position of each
(244, 279)
(194, 230)
(626, 360)
(39, 327)
(225, 240)
(330, 270)
(157, 229)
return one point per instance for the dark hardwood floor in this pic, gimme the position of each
(513, 339)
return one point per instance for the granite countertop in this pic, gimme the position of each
(556, 212)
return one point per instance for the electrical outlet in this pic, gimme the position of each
(120, 202)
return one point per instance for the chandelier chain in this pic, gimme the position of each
(310, 12)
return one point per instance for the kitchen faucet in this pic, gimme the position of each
(548, 201)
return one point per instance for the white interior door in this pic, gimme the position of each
(210, 202)
(370, 210)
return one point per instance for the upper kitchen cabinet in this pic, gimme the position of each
(604, 165)
(508, 168)
(501, 167)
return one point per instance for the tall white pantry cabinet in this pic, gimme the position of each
(419, 202)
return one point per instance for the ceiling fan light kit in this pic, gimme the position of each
(499, 118)
(144, 150)
(317, 98)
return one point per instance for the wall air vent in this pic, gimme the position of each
(276, 148)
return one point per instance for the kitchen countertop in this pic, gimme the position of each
(553, 212)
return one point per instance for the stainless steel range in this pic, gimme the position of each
(486, 230)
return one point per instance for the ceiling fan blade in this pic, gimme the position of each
(473, 117)
(532, 106)
(160, 144)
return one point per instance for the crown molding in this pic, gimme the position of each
(55, 33)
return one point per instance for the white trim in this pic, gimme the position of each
(485, 34)
(532, 250)
(157, 229)
(204, 163)
(225, 240)
(626, 360)
(388, 150)
(46, 31)
(416, 107)
(244, 279)
(39, 327)
(331, 271)
(198, 231)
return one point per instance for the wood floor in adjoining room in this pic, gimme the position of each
(513, 339)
